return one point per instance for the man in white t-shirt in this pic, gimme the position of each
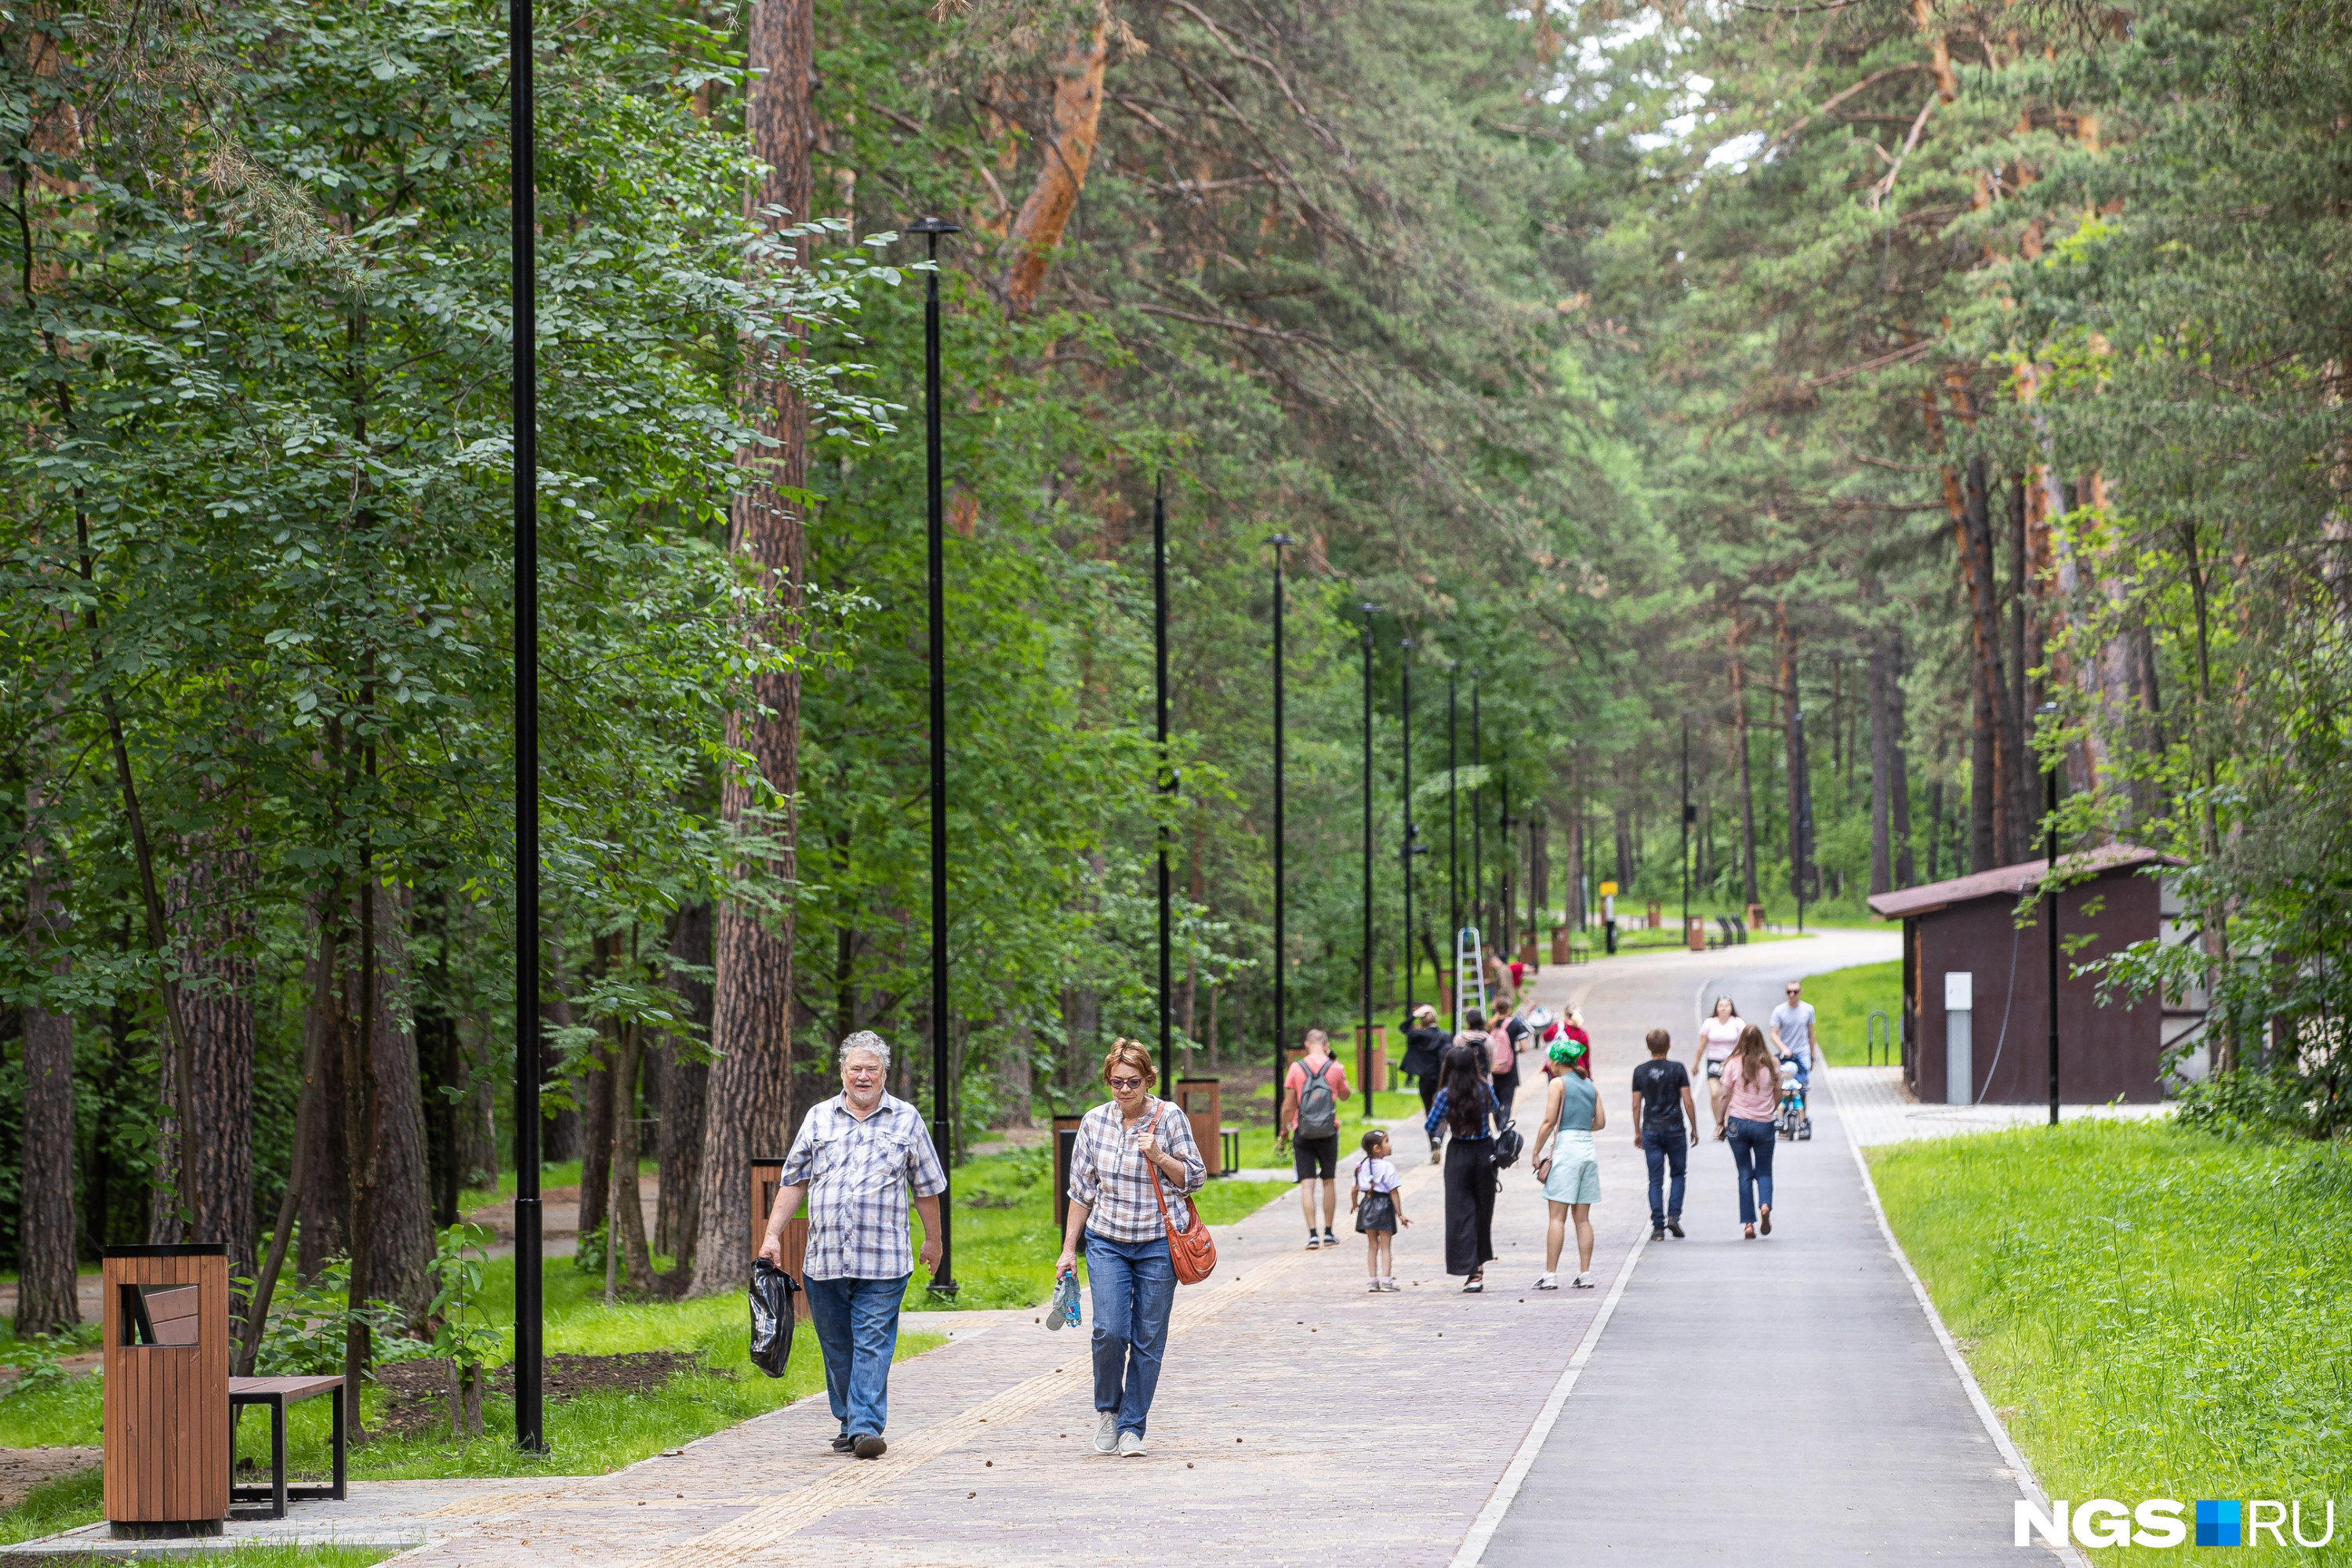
(1792, 1035)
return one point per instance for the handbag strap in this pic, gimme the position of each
(1160, 1177)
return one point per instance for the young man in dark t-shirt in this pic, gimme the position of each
(1662, 1104)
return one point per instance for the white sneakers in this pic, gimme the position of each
(1551, 1282)
(1107, 1432)
(1130, 1445)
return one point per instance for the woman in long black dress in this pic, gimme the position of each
(1465, 1106)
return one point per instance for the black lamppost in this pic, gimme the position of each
(1477, 841)
(943, 1281)
(2048, 714)
(1411, 847)
(1687, 814)
(1364, 1042)
(1281, 979)
(1167, 771)
(530, 1432)
(1505, 821)
(1453, 847)
(1801, 825)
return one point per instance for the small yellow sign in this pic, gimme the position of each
(1608, 890)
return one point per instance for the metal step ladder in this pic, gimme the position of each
(1469, 975)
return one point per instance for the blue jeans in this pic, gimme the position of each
(1752, 1143)
(1665, 1144)
(1134, 1289)
(856, 1323)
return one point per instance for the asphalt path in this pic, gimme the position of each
(1775, 1401)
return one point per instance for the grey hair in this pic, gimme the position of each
(867, 1040)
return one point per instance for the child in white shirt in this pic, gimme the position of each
(1379, 1208)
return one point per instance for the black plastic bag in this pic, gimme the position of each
(771, 1317)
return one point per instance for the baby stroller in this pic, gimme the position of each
(1793, 1122)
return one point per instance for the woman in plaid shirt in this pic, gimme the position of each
(1123, 1149)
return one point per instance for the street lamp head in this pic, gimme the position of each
(1281, 540)
(934, 226)
(2047, 710)
(1405, 643)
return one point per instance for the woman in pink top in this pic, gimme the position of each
(1752, 1098)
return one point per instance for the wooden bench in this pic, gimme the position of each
(170, 1317)
(277, 1393)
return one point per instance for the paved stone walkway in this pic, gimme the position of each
(1877, 1108)
(1770, 1401)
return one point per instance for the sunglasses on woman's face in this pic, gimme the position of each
(1127, 1083)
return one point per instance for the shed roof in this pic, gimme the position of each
(2012, 882)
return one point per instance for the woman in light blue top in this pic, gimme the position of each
(1567, 1164)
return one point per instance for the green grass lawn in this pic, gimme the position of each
(1844, 1000)
(562, 1174)
(591, 1434)
(2154, 1311)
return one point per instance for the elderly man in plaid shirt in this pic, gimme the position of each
(857, 1156)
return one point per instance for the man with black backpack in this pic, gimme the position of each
(1311, 1093)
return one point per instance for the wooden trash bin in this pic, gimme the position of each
(1380, 1079)
(1203, 1101)
(164, 1354)
(1560, 950)
(767, 1176)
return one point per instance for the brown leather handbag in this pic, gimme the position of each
(1193, 1249)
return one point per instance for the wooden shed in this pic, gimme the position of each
(1975, 984)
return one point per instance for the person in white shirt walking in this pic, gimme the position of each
(1717, 1037)
(857, 1156)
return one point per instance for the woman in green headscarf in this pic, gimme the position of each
(1566, 1162)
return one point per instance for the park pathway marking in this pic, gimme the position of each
(771, 1521)
(1506, 1491)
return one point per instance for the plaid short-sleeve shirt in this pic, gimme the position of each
(858, 1175)
(1115, 1182)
